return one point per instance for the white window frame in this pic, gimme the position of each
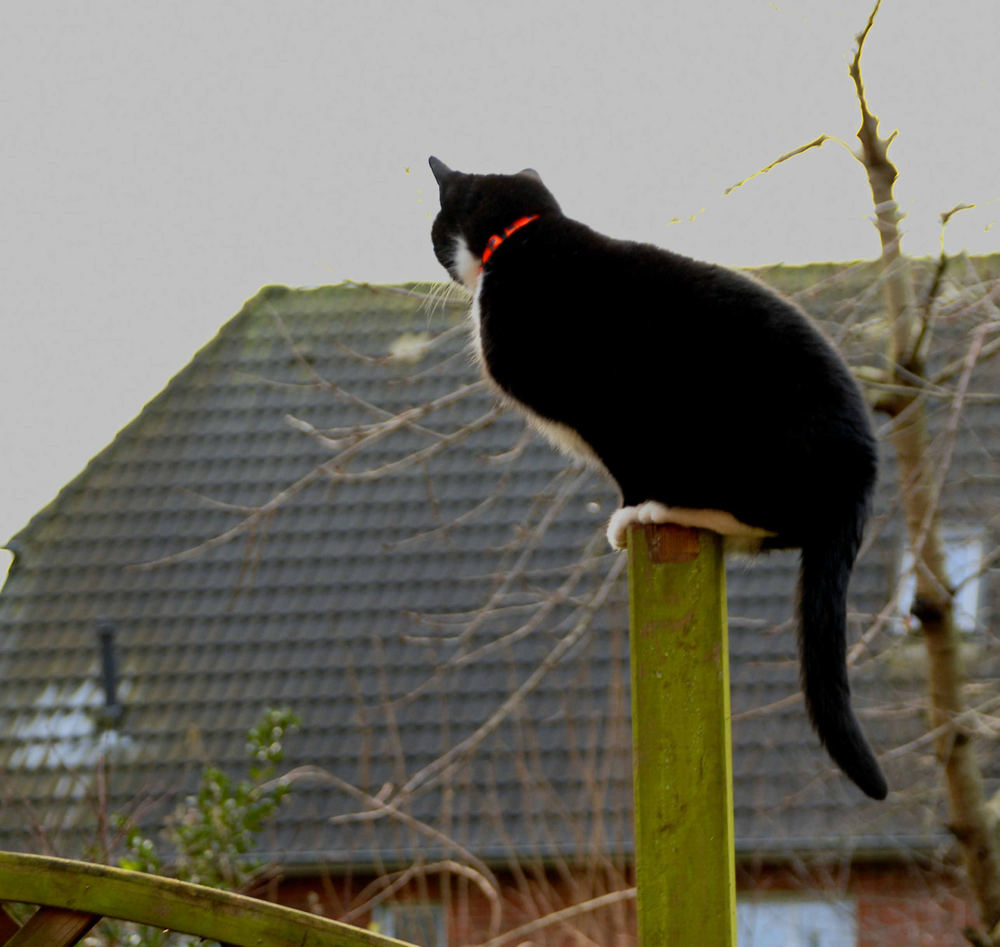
(779, 920)
(389, 918)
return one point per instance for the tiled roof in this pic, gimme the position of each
(396, 613)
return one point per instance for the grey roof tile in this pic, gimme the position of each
(352, 594)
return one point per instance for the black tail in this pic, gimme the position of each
(825, 570)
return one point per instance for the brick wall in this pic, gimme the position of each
(912, 905)
(912, 908)
(472, 912)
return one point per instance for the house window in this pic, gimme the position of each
(797, 922)
(963, 556)
(417, 922)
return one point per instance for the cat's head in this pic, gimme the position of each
(474, 207)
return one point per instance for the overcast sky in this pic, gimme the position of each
(163, 160)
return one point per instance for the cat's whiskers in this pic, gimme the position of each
(439, 296)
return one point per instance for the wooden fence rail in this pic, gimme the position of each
(74, 896)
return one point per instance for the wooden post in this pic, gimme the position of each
(682, 749)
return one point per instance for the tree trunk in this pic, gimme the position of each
(933, 604)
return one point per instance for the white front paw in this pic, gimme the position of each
(618, 526)
(652, 511)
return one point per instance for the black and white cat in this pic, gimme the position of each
(711, 401)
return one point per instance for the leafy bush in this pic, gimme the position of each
(211, 833)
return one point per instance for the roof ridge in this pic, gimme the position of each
(268, 294)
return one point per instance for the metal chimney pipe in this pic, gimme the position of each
(113, 710)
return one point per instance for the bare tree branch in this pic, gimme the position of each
(560, 917)
(436, 771)
(787, 156)
(329, 468)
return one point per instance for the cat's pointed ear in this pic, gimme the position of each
(530, 173)
(441, 171)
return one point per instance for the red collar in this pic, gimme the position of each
(497, 239)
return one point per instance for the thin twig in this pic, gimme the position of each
(951, 439)
(787, 156)
(560, 917)
(323, 470)
(434, 772)
(379, 808)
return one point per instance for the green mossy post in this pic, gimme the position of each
(682, 749)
